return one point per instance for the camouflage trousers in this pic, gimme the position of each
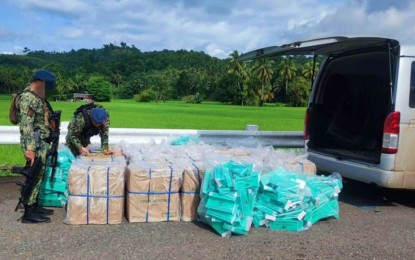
(41, 152)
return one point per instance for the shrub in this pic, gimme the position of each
(196, 99)
(146, 95)
(99, 87)
(298, 93)
(252, 101)
(189, 99)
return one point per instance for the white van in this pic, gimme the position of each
(360, 119)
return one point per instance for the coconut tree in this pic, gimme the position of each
(117, 78)
(287, 68)
(77, 82)
(263, 69)
(236, 67)
(310, 70)
(240, 70)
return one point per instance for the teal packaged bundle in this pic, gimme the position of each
(55, 184)
(287, 225)
(228, 198)
(258, 218)
(222, 205)
(328, 209)
(54, 188)
(294, 202)
(183, 140)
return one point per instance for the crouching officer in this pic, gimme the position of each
(88, 120)
(36, 127)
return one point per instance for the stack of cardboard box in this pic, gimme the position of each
(153, 192)
(96, 191)
(190, 190)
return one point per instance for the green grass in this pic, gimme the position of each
(180, 115)
(171, 115)
(10, 154)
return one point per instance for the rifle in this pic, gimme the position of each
(31, 173)
(55, 118)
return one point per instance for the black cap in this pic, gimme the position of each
(44, 75)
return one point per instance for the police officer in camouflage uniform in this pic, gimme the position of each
(88, 120)
(35, 129)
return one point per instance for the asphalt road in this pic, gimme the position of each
(373, 224)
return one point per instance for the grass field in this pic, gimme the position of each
(180, 115)
(10, 155)
(171, 115)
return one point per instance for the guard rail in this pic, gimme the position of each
(278, 139)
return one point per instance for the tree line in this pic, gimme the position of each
(126, 72)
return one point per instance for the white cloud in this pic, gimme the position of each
(214, 50)
(72, 33)
(74, 7)
(215, 27)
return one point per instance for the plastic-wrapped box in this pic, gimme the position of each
(96, 194)
(189, 192)
(101, 159)
(153, 192)
(301, 165)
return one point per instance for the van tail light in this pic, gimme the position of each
(391, 133)
(307, 113)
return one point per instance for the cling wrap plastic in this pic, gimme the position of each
(190, 190)
(54, 189)
(294, 202)
(153, 192)
(96, 194)
(227, 197)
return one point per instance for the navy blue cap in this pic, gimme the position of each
(99, 115)
(44, 75)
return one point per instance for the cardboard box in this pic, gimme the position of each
(301, 166)
(189, 193)
(153, 192)
(96, 194)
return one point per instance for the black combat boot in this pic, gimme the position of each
(31, 216)
(42, 210)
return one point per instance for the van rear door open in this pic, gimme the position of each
(323, 46)
(356, 107)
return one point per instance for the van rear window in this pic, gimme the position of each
(412, 87)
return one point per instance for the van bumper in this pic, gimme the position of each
(364, 172)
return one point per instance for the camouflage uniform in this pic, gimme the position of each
(34, 120)
(78, 137)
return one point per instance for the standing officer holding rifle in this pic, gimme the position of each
(39, 139)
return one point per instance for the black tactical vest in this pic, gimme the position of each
(89, 129)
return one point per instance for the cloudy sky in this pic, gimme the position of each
(216, 27)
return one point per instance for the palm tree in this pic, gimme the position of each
(287, 69)
(240, 70)
(77, 83)
(308, 68)
(117, 77)
(266, 93)
(62, 87)
(236, 67)
(263, 70)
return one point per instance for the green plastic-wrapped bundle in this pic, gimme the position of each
(227, 198)
(293, 202)
(54, 189)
